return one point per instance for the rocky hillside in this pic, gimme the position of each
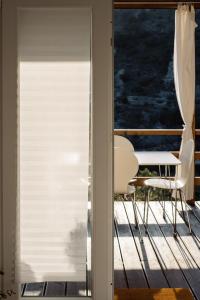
(144, 85)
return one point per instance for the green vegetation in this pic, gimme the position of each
(142, 191)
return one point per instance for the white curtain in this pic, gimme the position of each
(53, 118)
(184, 76)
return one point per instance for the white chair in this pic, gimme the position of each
(176, 185)
(125, 168)
(123, 143)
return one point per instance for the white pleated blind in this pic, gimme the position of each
(53, 118)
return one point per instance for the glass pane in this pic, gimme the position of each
(145, 98)
(144, 83)
(54, 139)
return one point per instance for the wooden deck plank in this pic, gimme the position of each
(147, 254)
(75, 289)
(179, 251)
(120, 280)
(34, 289)
(186, 238)
(134, 271)
(197, 203)
(196, 212)
(190, 242)
(55, 289)
(171, 269)
(23, 287)
(195, 222)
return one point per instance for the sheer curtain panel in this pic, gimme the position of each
(184, 77)
(53, 142)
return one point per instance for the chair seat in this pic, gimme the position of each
(163, 183)
(131, 189)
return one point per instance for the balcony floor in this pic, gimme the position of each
(161, 261)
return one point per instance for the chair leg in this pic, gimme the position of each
(163, 201)
(175, 216)
(136, 217)
(147, 212)
(182, 204)
(171, 191)
(145, 202)
(135, 212)
(164, 193)
(186, 211)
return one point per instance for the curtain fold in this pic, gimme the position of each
(184, 77)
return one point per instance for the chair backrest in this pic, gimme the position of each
(123, 142)
(186, 158)
(125, 165)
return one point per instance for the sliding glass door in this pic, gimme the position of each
(55, 105)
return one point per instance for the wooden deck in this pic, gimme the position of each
(161, 261)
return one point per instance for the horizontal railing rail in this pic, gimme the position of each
(123, 4)
(152, 131)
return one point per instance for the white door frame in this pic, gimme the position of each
(1, 206)
(102, 126)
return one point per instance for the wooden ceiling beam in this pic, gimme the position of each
(151, 4)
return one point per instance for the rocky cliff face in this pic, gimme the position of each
(144, 84)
